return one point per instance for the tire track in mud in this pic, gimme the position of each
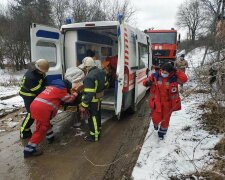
(113, 157)
(135, 137)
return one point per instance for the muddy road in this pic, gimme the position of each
(69, 157)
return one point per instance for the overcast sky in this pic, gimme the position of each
(160, 14)
(156, 13)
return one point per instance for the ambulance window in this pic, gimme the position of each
(47, 50)
(106, 51)
(143, 56)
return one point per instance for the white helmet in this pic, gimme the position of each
(42, 65)
(88, 62)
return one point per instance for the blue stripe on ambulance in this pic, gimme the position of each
(47, 34)
(50, 78)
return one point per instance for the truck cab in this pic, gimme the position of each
(164, 45)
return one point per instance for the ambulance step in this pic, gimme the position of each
(109, 105)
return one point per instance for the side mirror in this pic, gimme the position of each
(178, 41)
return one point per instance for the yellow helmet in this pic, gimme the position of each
(42, 65)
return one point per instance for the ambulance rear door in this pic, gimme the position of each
(142, 55)
(46, 44)
(120, 71)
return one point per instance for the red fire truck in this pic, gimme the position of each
(164, 45)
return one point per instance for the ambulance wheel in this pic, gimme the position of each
(118, 117)
(132, 109)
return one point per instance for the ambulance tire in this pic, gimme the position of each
(132, 109)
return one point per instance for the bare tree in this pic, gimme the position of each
(190, 16)
(100, 10)
(60, 10)
(213, 11)
(17, 38)
(3, 30)
(80, 10)
(98, 13)
(113, 8)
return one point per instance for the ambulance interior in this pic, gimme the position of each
(104, 43)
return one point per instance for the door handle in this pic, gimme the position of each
(120, 79)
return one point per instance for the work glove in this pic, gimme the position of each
(174, 70)
(82, 109)
(83, 113)
(148, 83)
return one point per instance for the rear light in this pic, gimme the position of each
(126, 79)
(90, 25)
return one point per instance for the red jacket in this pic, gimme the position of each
(113, 61)
(53, 95)
(165, 90)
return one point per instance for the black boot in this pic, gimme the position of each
(156, 127)
(51, 140)
(35, 152)
(161, 135)
(89, 138)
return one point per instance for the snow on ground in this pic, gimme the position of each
(7, 89)
(186, 147)
(7, 76)
(196, 55)
(11, 103)
(12, 124)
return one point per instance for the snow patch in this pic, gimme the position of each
(186, 147)
(79, 133)
(12, 103)
(12, 124)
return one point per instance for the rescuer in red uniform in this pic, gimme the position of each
(164, 95)
(43, 109)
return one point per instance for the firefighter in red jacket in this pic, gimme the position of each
(43, 109)
(164, 95)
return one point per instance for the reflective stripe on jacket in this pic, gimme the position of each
(94, 84)
(165, 90)
(33, 83)
(52, 96)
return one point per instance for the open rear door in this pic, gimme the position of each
(120, 71)
(46, 44)
(142, 55)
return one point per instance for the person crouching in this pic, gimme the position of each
(43, 109)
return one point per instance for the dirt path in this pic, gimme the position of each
(67, 157)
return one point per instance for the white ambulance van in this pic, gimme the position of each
(67, 47)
